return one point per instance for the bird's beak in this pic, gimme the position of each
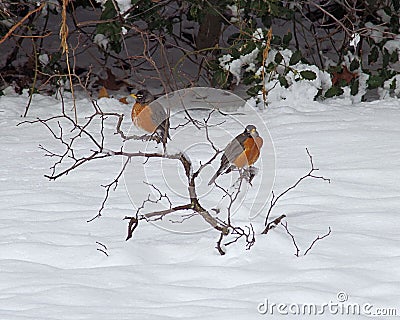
(133, 96)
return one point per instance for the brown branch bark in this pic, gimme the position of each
(14, 27)
(317, 239)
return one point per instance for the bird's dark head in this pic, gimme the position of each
(143, 96)
(251, 130)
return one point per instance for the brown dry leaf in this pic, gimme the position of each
(111, 83)
(123, 100)
(103, 93)
(345, 75)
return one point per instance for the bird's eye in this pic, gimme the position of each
(139, 96)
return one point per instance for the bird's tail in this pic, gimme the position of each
(163, 132)
(221, 170)
(215, 176)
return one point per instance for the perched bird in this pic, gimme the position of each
(242, 152)
(150, 117)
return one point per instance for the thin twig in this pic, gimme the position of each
(274, 199)
(317, 239)
(285, 225)
(12, 29)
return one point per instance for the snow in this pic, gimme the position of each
(123, 5)
(50, 267)
(354, 40)
(392, 45)
(385, 91)
(235, 12)
(235, 66)
(101, 40)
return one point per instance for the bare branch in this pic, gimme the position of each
(274, 199)
(108, 187)
(103, 248)
(160, 214)
(285, 225)
(219, 244)
(317, 239)
(133, 223)
(274, 223)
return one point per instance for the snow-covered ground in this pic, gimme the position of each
(50, 267)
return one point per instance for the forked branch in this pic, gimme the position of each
(274, 199)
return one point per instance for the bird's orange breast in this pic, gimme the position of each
(251, 152)
(142, 117)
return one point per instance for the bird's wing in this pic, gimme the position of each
(159, 115)
(235, 148)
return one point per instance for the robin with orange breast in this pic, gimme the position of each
(150, 116)
(242, 152)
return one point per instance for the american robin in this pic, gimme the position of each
(151, 117)
(242, 152)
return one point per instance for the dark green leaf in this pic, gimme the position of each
(213, 65)
(388, 11)
(333, 92)
(109, 11)
(253, 91)
(249, 78)
(394, 57)
(343, 83)
(354, 87)
(295, 58)
(394, 23)
(271, 67)
(286, 39)
(266, 20)
(393, 84)
(248, 47)
(278, 58)
(396, 5)
(194, 12)
(386, 58)
(279, 11)
(373, 55)
(386, 74)
(308, 74)
(220, 78)
(354, 65)
(375, 81)
(283, 81)
(276, 40)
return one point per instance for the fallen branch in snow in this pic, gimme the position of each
(285, 225)
(103, 248)
(318, 238)
(274, 222)
(274, 199)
